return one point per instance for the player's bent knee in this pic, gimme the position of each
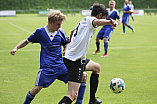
(105, 39)
(97, 67)
(85, 75)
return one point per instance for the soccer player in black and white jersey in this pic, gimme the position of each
(75, 55)
(132, 10)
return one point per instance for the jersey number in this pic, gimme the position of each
(76, 30)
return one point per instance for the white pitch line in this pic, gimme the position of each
(20, 28)
(145, 23)
(90, 48)
(129, 47)
(24, 50)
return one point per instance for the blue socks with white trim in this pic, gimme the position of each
(123, 29)
(29, 98)
(130, 27)
(81, 93)
(106, 47)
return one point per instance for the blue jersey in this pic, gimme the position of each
(114, 14)
(50, 55)
(106, 30)
(91, 8)
(126, 8)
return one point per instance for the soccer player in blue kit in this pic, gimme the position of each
(51, 38)
(126, 15)
(92, 6)
(107, 30)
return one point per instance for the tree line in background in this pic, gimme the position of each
(68, 4)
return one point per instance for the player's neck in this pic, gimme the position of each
(48, 27)
(111, 9)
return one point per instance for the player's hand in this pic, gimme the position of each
(69, 38)
(63, 53)
(13, 51)
(113, 23)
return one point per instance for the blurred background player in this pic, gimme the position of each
(132, 10)
(92, 6)
(107, 30)
(52, 67)
(125, 17)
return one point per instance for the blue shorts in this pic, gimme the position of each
(125, 20)
(105, 33)
(46, 78)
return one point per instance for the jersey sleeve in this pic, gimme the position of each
(90, 22)
(34, 38)
(64, 42)
(91, 8)
(118, 15)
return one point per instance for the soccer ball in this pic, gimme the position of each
(117, 85)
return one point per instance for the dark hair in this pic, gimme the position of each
(99, 8)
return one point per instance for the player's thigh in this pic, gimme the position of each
(93, 66)
(125, 20)
(107, 34)
(101, 33)
(45, 78)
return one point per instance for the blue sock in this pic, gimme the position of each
(98, 45)
(29, 98)
(130, 27)
(81, 93)
(123, 29)
(106, 47)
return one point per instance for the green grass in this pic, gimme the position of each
(132, 57)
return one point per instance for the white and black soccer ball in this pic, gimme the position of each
(117, 85)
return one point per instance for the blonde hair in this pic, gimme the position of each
(56, 15)
(112, 1)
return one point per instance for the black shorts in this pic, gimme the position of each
(75, 69)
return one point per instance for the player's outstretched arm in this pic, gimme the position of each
(22, 44)
(65, 48)
(119, 21)
(69, 40)
(101, 22)
(71, 34)
(126, 11)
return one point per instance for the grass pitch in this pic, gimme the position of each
(132, 57)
